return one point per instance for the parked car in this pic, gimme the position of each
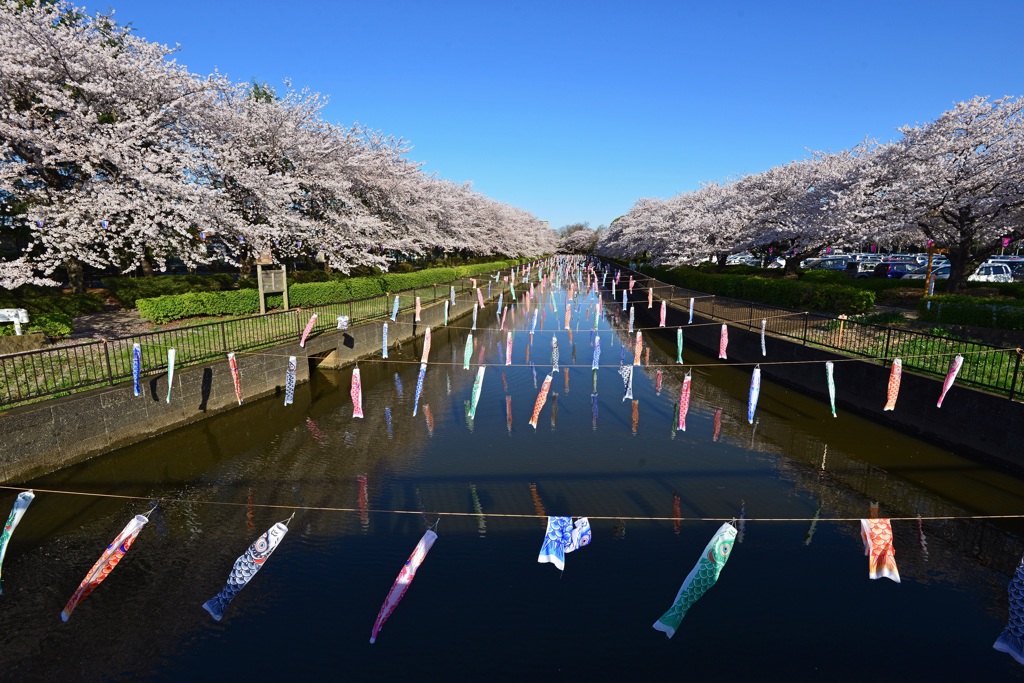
(860, 269)
(893, 269)
(992, 272)
(1015, 263)
(825, 263)
(986, 272)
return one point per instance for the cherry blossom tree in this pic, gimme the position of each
(803, 207)
(959, 180)
(95, 145)
(580, 241)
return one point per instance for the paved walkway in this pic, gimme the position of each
(108, 325)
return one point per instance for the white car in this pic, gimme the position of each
(986, 272)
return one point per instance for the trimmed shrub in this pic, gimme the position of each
(53, 325)
(52, 301)
(823, 297)
(128, 290)
(166, 308)
(957, 309)
(397, 282)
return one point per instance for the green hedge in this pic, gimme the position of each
(166, 308)
(335, 291)
(128, 290)
(813, 296)
(53, 325)
(170, 307)
(397, 282)
(957, 309)
(52, 301)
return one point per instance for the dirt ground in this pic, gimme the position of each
(109, 324)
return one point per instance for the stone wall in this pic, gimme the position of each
(971, 422)
(46, 436)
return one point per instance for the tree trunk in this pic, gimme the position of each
(722, 257)
(76, 276)
(958, 257)
(146, 266)
(245, 267)
(793, 264)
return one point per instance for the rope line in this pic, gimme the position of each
(945, 354)
(500, 515)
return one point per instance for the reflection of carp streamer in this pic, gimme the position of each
(542, 398)
(538, 505)
(429, 418)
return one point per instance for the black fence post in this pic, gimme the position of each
(1016, 374)
(223, 339)
(888, 338)
(806, 320)
(110, 374)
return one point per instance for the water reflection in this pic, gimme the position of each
(315, 455)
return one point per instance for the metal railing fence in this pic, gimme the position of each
(986, 366)
(58, 371)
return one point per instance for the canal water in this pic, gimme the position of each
(793, 600)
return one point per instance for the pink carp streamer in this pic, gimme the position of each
(718, 424)
(894, 384)
(664, 312)
(650, 298)
(418, 309)
(309, 328)
(542, 398)
(954, 369)
(638, 347)
(508, 349)
(233, 364)
(357, 394)
(684, 403)
(426, 346)
(723, 342)
(107, 563)
(403, 581)
(479, 297)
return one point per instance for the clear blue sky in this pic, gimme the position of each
(574, 110)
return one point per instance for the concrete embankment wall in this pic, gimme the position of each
(44, 437)
(972, 423)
